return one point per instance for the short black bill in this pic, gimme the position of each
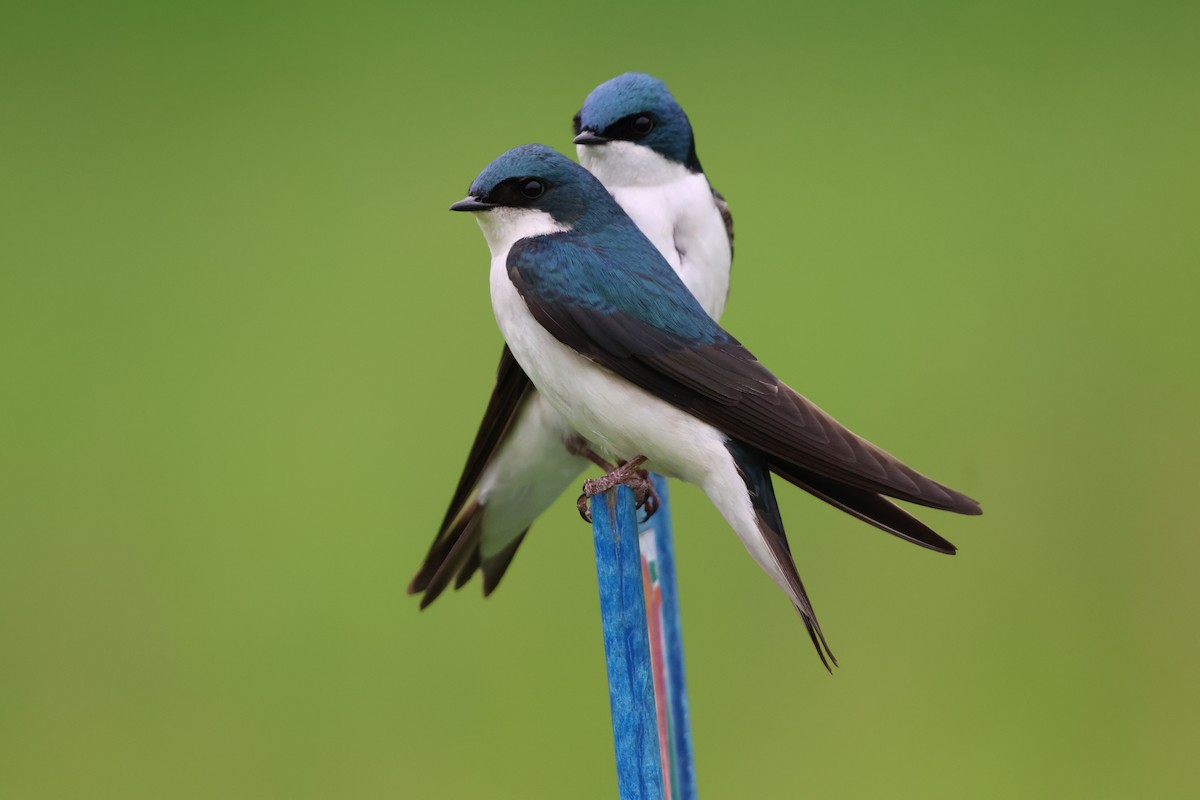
(470, 204)
(590, 137)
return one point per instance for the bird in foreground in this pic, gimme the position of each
(617, 345)
(634, 136)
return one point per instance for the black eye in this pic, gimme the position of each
(532, 188)
(643, 125)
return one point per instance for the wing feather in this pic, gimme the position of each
(707, 372)
(512, 387)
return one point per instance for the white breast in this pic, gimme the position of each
(676, 210)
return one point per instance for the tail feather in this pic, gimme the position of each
(468, 569)
(752, 467)
(777, 541)
(495, 567)
(449, 555)
(441, 547)
(457, 555)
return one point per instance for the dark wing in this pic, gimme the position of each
(512, 385)
(710, 375)
(868, 506)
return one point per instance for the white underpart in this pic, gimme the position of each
(504, 227)
(676, 210)
(531, 466)
(618, 419)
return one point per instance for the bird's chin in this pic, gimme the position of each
(589, 155)
(620, 163)
(504, 227)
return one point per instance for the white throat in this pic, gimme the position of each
(504, 227)
(619, 164)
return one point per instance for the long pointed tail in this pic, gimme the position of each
(754, 514)
(457, 554)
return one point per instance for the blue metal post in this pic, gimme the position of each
(681, 768)
(626, 645)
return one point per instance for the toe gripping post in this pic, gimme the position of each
(643, 647)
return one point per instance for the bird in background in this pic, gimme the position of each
(634, 136)
(618, 346)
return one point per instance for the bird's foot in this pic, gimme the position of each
(628, 474)
(578, 447)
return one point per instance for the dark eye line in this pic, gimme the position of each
(632, 126)
(517, 191)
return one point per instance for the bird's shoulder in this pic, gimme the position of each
(617, 274)
(726, 214)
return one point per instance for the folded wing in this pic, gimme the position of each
(643, 325)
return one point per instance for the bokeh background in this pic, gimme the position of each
(245, 350)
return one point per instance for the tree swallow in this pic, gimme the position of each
(633, 135)
(617, 345)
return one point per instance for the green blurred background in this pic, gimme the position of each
(245, 350)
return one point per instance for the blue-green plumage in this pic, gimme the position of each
(571, 194)
(576, 269)
(613, 108)
(595, 264)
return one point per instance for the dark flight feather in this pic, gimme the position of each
(869, 507)
(512, 386)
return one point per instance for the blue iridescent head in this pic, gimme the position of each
(534, 177)
(637, 108)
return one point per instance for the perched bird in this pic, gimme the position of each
(617, 345)
(631, 134)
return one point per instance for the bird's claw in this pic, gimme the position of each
(628, 474)
(649, 496)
